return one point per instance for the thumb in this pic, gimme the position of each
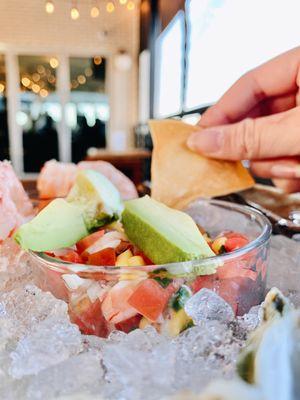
(273, 136)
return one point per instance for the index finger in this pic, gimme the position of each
(276, 77)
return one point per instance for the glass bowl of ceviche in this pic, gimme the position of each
(110, 284)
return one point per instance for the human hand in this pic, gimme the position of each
(258, 119)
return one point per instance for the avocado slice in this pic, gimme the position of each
(98, 198)
(58, 225)
(165, 235)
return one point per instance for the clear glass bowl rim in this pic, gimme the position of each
(262, 239)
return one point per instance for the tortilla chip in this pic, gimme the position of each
(180, 176)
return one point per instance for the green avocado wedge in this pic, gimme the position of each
(165, 235)
(58, 225)
(98, 198)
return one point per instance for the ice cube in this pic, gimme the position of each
(15, 266)
(139, 373)
(51, 342)
(205, 352)
(250, 321)
(207, 305)
(23, 308)
(79, 373)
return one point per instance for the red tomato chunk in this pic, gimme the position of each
(88, 241)
(149, 299)
(105, 257)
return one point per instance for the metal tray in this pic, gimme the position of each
(283, 210)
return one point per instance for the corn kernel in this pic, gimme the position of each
(123, 258)
(218, 244)
(136, 261)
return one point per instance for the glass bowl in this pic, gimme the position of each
(102, 299)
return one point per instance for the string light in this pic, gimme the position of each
(35, 88)
(88, 72)
(74, 13)
(41, 69)
(36, 77)
(49, 6)
(130, 6)
(53, 62)
(44, 93)
(25, 81)
(97, 60)
(95, 12)
(81, 79)
(110, 7)
(51, 79)
(74, 84)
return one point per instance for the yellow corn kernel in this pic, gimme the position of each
(177, 322)
(144, 322)
(218, 243)
(136, 261)
(123, 258)
(134, 275)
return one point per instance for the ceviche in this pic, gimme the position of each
(126, 265)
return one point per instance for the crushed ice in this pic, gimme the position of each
(43, 355)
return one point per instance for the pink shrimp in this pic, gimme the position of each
(15, 206)
(56, 178)
(121, 181)
(115, 307)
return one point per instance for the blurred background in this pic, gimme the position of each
(80, 78)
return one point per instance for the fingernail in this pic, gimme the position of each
(286, 171)
(207, 141)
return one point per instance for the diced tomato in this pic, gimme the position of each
(229, 290)
(72, 257)
(89, 318)
(205, 281)
(235, 241)
(149, 299)
(235, 269)
(88, 241)
(130, 324)
(105, 257)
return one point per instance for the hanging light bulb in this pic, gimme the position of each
(123, 2)
(110, 7)
(53, 62)
(145, 7)
(130, 6)
(74, 11)
(95, 12)
(49, 7)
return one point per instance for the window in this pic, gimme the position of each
(169, 68)
(88, 110)
(227, 38)
(4, 140)
(40, 110)
(223, 40)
